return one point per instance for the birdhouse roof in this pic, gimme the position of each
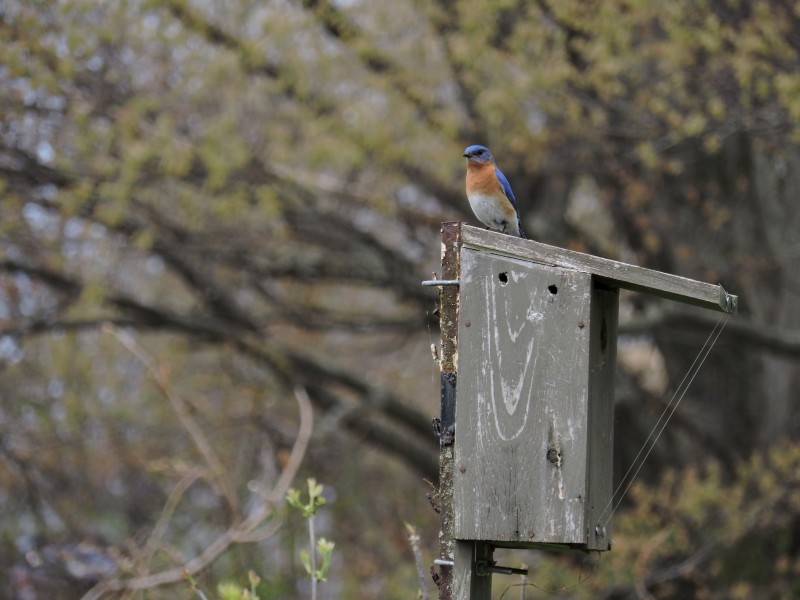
(615, 273)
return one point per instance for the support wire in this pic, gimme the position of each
(666, 415)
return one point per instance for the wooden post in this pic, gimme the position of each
(448, 323)
(468, 583)
(461, 580)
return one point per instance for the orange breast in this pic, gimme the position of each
(482, 180)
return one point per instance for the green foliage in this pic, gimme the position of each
(315, 498)
(325, 550)
(229, 590)
(233, 591)
(322, 546)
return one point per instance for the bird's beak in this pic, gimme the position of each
(465, 155)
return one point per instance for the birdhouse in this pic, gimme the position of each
(534, 411)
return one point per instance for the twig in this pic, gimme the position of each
(289, 472)
(250, 529)
(166, 513)
(160, 375)
(422, 575)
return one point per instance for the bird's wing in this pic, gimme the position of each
(506, 188)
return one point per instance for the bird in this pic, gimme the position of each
(489, 193)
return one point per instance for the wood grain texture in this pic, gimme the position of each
(614, 273)
(522, 413)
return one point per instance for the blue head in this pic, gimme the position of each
(479, 154)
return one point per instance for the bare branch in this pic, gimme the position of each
(160, 375)
(768, 338)
(251, 529)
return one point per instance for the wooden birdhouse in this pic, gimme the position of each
(533, 414)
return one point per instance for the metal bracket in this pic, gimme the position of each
(484, 568)
(445, 427)
(728, 302)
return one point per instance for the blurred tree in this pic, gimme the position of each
(252, 191)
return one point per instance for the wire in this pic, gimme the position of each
(582, 576)
(668, 411)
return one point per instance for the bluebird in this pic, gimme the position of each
(489, 193)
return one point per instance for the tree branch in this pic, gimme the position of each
(251, 529)
(398, 79)
(738, 329)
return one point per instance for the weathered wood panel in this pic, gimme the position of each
(522, 409)
(616, 273)
(602, 363)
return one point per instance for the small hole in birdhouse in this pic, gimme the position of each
(553, 289)
(503, 277)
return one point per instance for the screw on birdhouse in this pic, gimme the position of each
(467, 323)
(600, 530)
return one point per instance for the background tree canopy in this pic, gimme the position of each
(214, 213)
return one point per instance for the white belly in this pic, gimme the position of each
(493, 216)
